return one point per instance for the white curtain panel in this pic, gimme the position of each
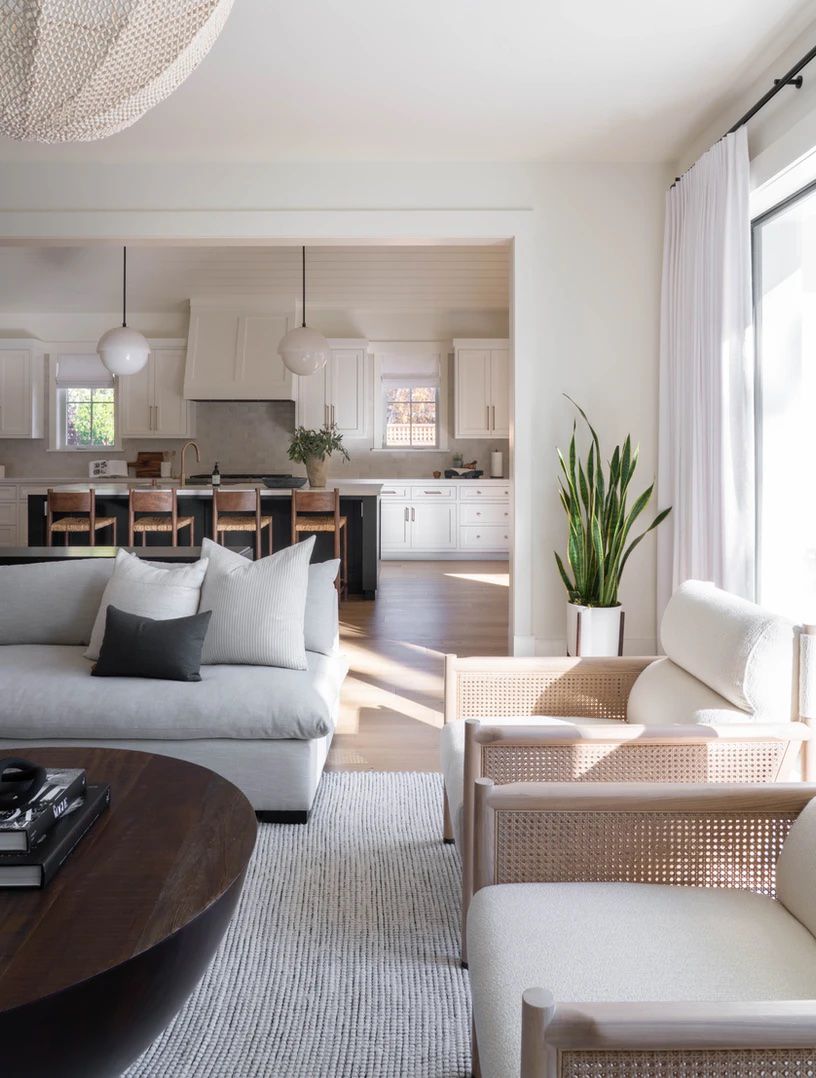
(706, 439)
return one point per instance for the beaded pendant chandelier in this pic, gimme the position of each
(79, 70)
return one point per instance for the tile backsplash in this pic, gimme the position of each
(251, 436)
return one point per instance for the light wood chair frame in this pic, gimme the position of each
(477, 689)
(157, 501)
(681, 834)
(325, 502)
(70, 502)
(227, 502)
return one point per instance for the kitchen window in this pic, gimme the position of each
(411, 416)
(410, 398)
(83, 414)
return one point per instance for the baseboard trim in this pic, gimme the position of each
(283, 815)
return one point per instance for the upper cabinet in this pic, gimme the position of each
(481, 389)
(338, 393)
(232, 353)
(151, 402)
(22, 389)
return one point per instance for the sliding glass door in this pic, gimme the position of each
(785, 302)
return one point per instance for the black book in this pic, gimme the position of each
(37, 868)
(21, 829)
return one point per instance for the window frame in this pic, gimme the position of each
(56, 410)
(406, 351)
(410, 384)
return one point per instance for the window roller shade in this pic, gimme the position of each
(80, 371)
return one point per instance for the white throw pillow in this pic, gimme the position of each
(320, 627)
(258, 607)
(138, 588)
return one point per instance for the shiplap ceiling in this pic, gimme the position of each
(442, 80)
(88, 279)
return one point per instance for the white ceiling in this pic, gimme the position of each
(88, 279)
(485, 80)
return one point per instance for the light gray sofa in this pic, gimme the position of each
(266, 729)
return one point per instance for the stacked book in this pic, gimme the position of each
(37, 839)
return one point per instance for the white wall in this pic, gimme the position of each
(590, 262)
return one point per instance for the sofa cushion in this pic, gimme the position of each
(796, 869)
(148, 590)
(258, 607)
(625, 942)
(452, 744)
(321, 630)
(742, 652)
(664, 694)
(48, 691)
(168, 649)
(51, 602)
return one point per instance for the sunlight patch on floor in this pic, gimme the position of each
(501, 579)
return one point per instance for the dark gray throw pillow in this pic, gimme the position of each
(136, 646)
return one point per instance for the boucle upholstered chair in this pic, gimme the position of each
(719, 707)
(644, 929)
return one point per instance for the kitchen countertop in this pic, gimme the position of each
(362, 489)
(113, 482)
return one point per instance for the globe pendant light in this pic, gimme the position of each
(304, 351)
(123, 350)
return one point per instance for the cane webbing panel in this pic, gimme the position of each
(700, 849)
(717, 1063)
(716, 761)
(575, 693)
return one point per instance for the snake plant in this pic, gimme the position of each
(599, 518)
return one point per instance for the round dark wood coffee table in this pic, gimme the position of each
(93, 967)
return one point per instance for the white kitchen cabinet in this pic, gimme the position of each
(395, 526)
(481, 389)
(433, 526)
(151, 402)
(22, 389)
(232, 354)
(337, 394)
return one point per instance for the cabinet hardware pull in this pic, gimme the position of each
(413, 513)
(494, 417)
(157, 418)
(487, 409)
(432, 492)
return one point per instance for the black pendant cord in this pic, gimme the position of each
(303, 282)
(124, 287)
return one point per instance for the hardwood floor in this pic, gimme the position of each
(391, 703)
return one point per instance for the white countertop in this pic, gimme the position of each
(354, 489)
(122, 483)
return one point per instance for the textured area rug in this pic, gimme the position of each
(342, 958)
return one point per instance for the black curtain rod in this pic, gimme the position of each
(790, 78)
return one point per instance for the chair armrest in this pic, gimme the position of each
(685, 834)
(481, 687)
(559, 1039)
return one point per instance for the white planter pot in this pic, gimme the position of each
(594, 630)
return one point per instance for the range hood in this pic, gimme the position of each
(232, 353)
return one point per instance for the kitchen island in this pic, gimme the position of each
(359, 503)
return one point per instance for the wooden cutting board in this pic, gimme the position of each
(147, 464)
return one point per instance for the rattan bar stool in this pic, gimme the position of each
(152, 502)
(319, 511)
(244, 515)
(74, 503)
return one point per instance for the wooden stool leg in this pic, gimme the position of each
(144, 538)
(345, 562)
(130, 535)
(91, 534)
(257, 544)
(49, 536)
(113, 527)
(192, 533)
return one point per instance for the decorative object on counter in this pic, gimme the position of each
(304, 351)
(123, 350)
(470, 467)
(458, 460)
(216, 476)
(497, 464)
(283, 482)
(437, 475)
(148, 464)
(77, 72)
(314, 448)
(463, 473)
(102, 469)
(599, 522)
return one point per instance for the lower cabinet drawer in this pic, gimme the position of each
(8, 494)
(489, 537)
(393, 492)
(485, 513)
(8, 535)
(8, 514)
